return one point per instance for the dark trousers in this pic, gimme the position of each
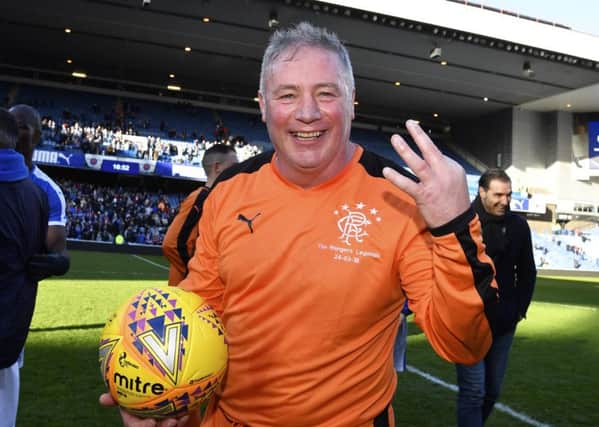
(480, 384)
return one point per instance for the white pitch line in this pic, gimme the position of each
(108, 273)
(576, 307)
(499, 406)
(522, 417)
(150, 262)
(432, 378)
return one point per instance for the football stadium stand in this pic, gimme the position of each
(136, 128)
(143, 138)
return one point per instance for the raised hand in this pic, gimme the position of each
(442, 193)
(133, 421)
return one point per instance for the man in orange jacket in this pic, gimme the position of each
(308, 255)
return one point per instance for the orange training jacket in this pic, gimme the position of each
(310, 285)
(179, 241)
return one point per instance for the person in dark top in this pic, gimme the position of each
(179, 242)
(508, 243)
(23, 228)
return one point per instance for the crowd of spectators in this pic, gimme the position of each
(99, 139)
(567, 248)
(100, 213)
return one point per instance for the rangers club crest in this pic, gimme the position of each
(353, 222)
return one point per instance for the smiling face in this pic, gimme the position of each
(308, 113)
(496, 199)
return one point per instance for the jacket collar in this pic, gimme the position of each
(12, 166)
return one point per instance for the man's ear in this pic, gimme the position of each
(37, 136)
(214, 169)
(353, 104)
(262, 104)
(218, 167)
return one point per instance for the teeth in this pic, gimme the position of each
(308, 135)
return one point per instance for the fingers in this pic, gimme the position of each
(183, 421)
(441, 193)
(148, 422)
(427, 147)
(133, 421)
(401, 181)
(417, 164)
(431, 155)
(172, 422)
(129, 420)
(106, 400)
(413, 160)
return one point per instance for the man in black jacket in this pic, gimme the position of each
(508, 242)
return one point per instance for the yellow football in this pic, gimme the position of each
(163, 352)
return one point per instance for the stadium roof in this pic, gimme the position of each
(136, 44)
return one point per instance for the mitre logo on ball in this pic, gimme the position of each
(163, 352)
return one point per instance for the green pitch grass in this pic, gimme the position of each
(553, 374)
(553, 371)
